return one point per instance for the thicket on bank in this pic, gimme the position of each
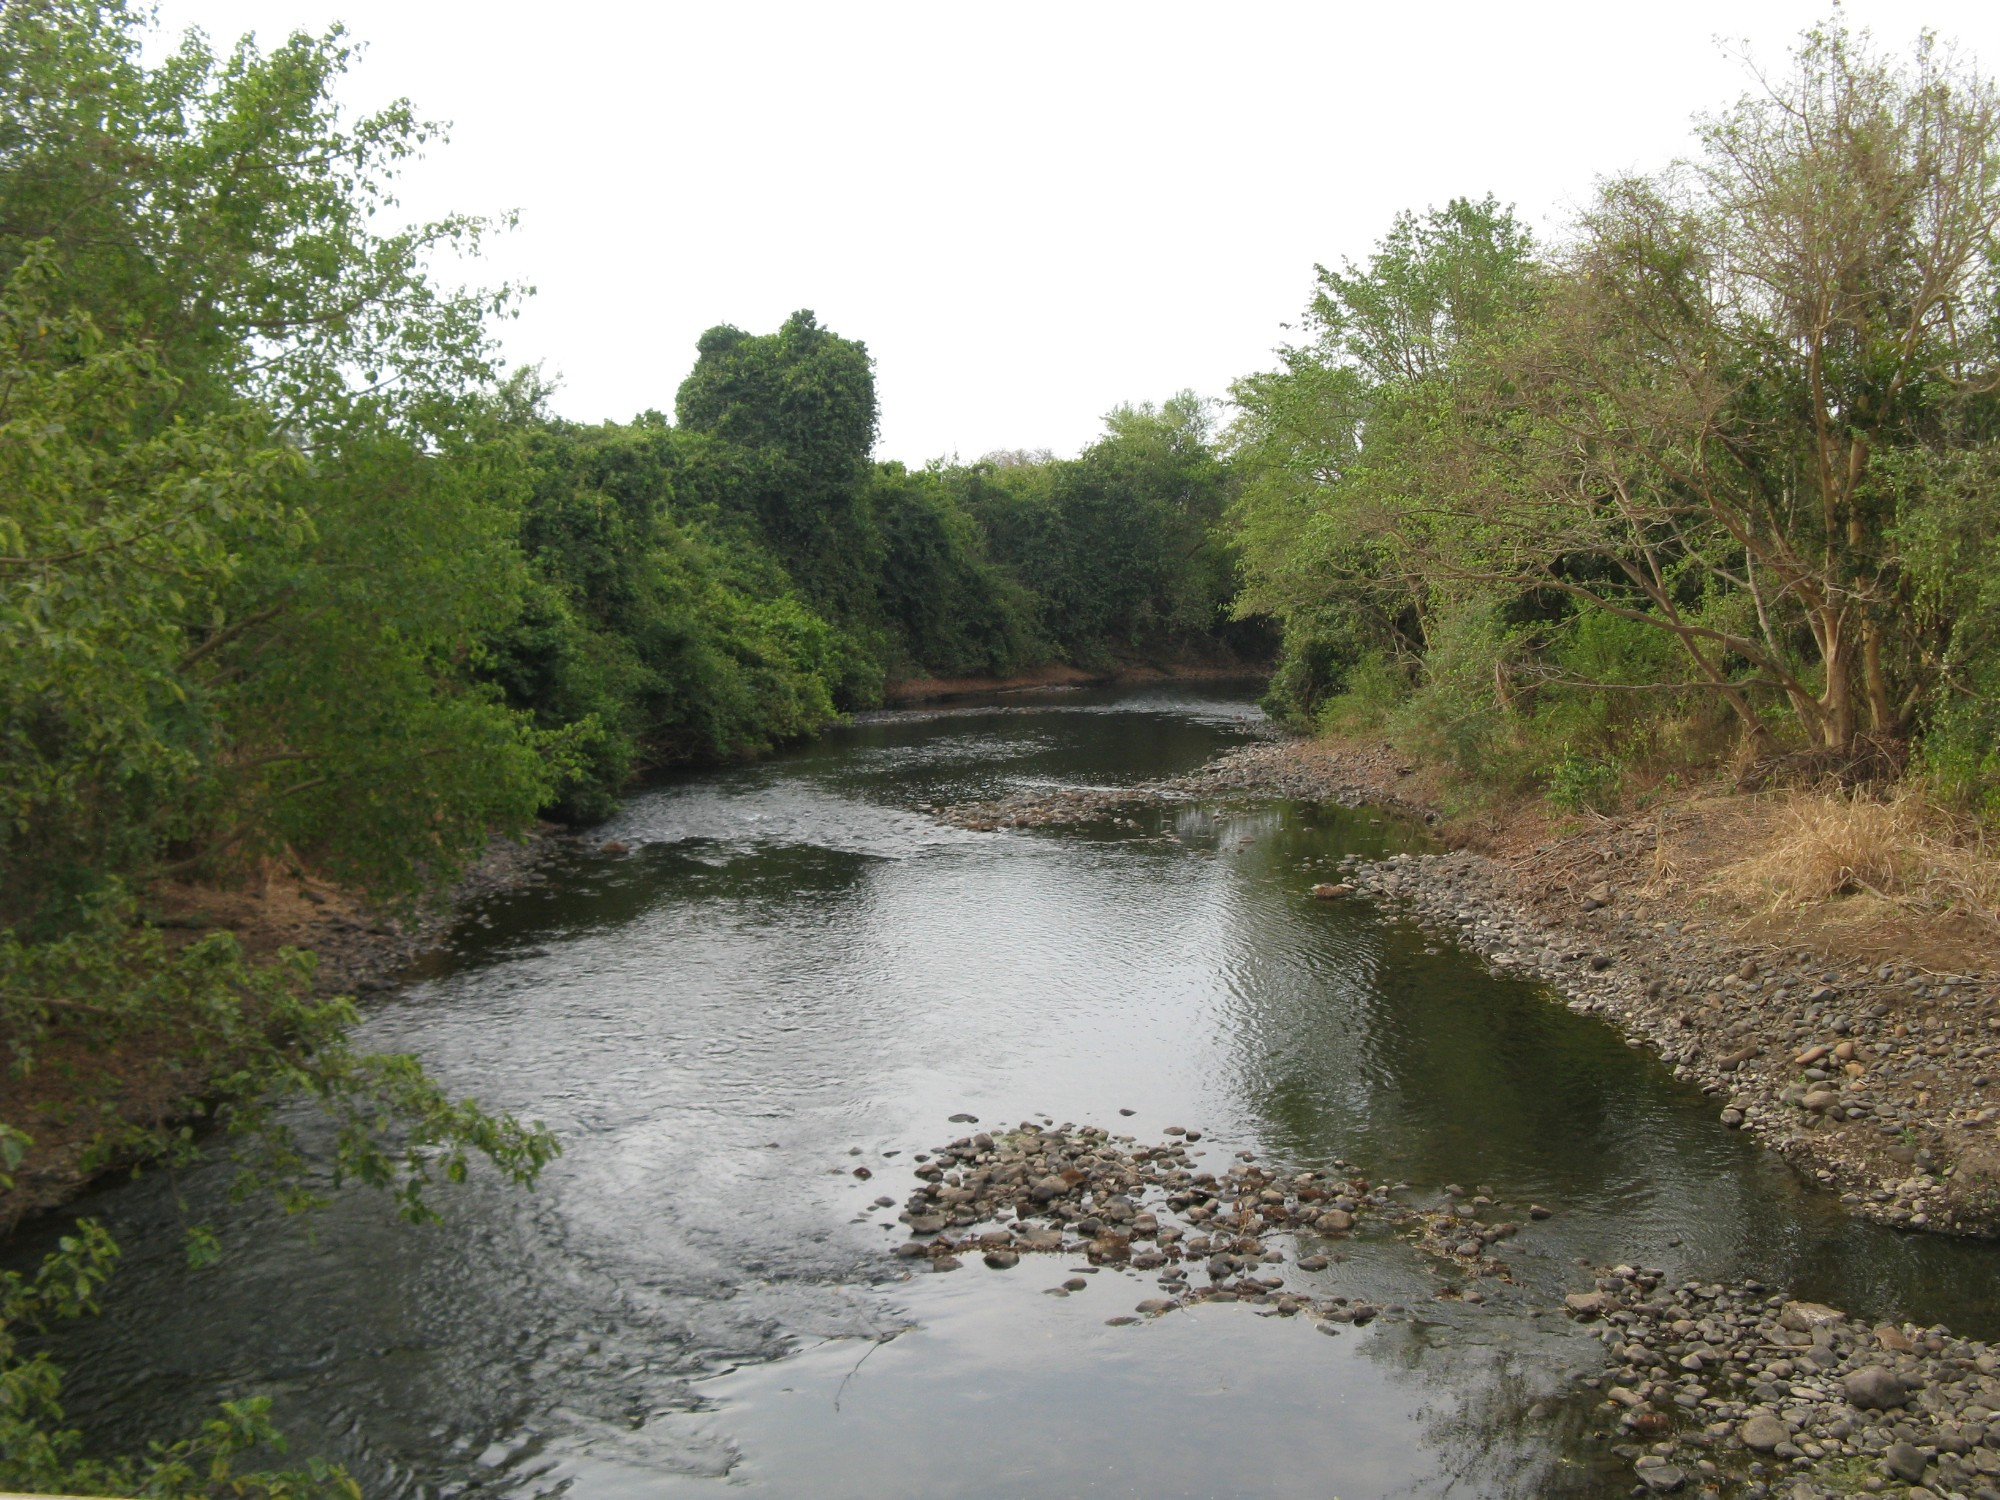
(1716, 472)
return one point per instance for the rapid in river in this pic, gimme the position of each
(795, 970)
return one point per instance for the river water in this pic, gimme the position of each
(796, 970)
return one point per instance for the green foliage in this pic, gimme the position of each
(221, 213)
(115, 535)
(1370, 693)
(657, 627)
(1949, 541)
(1724, 456)
(1331, 447)
(259, 517)
(256, 530)
(244, 1038)
(236, 1040)
(1117, 548)
(945, 607)
(797, 410)
(1452, 718)
(1579, 782)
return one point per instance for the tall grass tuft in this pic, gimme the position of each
(1823, 845)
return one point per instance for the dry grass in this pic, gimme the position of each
(1820, 847)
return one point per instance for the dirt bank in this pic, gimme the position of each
(1859, 1038)
(924, 689)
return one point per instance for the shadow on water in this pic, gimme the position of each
(796, 970)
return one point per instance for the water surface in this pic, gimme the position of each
(797, 970)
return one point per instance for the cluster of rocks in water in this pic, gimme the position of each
(1245, 1234)
(1740, 1390)
(1878, 1081)
(1258, 770)
(1714, 1390)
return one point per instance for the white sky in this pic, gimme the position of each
(1029, 212)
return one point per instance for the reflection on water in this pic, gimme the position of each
(795, 963)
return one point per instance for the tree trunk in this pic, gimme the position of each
(1835, 729)
(1882, 714)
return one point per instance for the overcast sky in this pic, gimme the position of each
(1029, 212)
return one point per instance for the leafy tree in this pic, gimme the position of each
(947, 608)
(1736, 413)
(796, 409)
(254, 528)
(658, 631)
(257, 527)
(1329, 447)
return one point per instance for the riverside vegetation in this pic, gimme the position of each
(298, 585)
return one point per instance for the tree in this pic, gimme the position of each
(798, 408)
(254, 520)
(1327, 447)
(1724, 413)
(258, 524)
(1691, 434)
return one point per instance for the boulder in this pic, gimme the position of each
(1762, 1432)
(1875, 1388)
(1804, 1317)
(1906, 1461)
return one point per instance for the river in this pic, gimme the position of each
(796, 970)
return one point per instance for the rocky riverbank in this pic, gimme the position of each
(1876, 1076)
(1741, 1390)
(1086, 1194)
(1714, 1390)
(1876, 1081)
